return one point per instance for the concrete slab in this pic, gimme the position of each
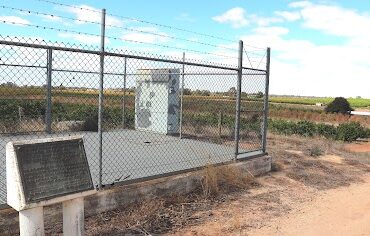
(131, 154)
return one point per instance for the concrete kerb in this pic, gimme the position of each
(118, 196)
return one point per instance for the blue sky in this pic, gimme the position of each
(315, 44)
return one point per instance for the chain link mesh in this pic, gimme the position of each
(252, 112)
(159, 115)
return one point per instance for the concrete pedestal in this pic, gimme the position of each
(31, 222)
(73, 217)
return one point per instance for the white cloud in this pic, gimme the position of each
(14, 20)
(289, 16)
(146, 37)
(235, 16)
(271, 31)
(337, 21)
(86, 39)
(91, 14)
(300, 4)
(194, 39)
(51, 18)
(264, 21)
(238, 18)
(301, 67)
(185, 17)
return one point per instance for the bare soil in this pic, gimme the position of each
(341, 211)
(358, 147)
(305, 194)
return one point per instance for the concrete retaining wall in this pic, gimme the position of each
(119, 196)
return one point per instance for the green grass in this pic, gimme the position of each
(24, 92)
(355, 102)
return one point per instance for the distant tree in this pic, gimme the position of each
(187, 91)
(232, 92)
(259, 94)
(339, 105)
(9, 84)
(202, 92)
(61, 87)
(206, 93)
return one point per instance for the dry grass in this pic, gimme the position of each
(224, 179)
(223, 191)
(300, 160)
(236, 223)
(24, 126)
(159, 215)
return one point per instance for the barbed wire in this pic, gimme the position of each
(173, 37)
(147, 22)
(261, 59)
(47, 14)
(114, 38)
(171, 47)
(115, 26)
(135, 19)
(250, 63)
(47, 27)
(67, 5)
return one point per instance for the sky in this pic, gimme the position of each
(319, 48)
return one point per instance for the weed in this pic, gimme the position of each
(276, 166)
(217, 180)
(315, 151)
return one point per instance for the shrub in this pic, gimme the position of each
(91, 123)
(349, 132)
(276, 166)
(315, 151)
(282, 127)
(339, 105)
(346, 132)
(366, 133)
(327, 131)
(305, 128)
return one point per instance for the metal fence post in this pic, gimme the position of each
(238, 98)
(124, 95)
(49, 68)
(182, 91)
(266, 101)
(101, 97)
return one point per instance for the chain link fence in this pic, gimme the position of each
(159, 115)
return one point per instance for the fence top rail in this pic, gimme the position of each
(105, 53)
(254, 69)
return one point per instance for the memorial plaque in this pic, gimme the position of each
(52, 169)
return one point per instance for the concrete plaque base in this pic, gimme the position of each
(31, 222)
(73, 217)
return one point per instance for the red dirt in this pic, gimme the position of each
(358, 147)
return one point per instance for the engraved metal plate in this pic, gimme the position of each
(53, 169)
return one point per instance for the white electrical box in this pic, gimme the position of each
(157, 105)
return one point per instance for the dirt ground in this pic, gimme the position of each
(317, 187)
(359, 147)
(341, 211)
